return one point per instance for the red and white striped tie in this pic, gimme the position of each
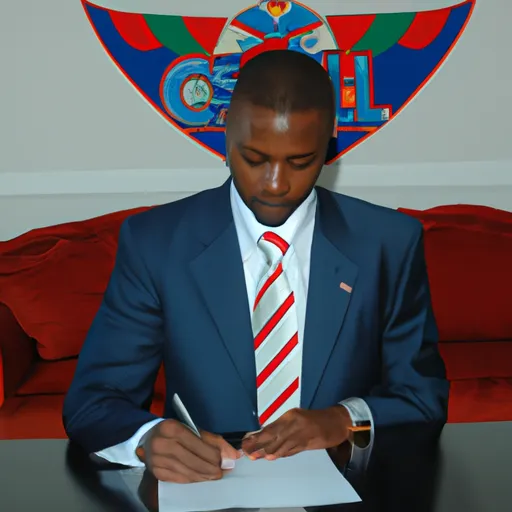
(274, 326)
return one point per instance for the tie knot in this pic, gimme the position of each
(273, 247)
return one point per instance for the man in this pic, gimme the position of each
(277, 307)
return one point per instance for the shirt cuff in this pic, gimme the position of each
(124, 453)
(360, 414)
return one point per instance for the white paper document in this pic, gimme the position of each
(304, 480)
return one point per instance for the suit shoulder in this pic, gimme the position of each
(159, 222)
(380, 220)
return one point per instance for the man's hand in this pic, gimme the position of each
(173, 453)
(298, 430)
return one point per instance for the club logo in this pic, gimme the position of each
(187, 67)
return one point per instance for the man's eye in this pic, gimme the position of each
(252, 163)
(301, 165)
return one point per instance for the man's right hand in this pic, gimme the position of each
(173, 453)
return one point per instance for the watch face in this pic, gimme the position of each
(362, 439)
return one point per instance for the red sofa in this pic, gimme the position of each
(52, 280)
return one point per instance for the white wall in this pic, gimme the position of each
(76, 140)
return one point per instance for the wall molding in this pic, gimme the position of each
(137, 181)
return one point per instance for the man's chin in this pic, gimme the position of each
(273, 219)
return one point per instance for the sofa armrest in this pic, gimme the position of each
(17, 353)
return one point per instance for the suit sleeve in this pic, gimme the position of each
(109, 398)
(413, 386)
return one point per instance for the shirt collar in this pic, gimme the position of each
(249, 230)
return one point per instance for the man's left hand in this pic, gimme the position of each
(298, 430)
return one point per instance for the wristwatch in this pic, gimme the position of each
(360, 431)
(361, 434)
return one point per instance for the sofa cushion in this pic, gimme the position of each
(468, 251)
(477, 360)
(32, 417)
(53, 280)
(49, 378)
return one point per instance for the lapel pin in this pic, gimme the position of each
(346, 287)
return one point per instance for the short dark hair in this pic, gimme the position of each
(285, 81)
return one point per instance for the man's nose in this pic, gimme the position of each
(276, 180)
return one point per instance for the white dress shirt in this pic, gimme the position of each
(298, 232)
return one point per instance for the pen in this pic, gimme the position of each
(185, 418)
(183, 414)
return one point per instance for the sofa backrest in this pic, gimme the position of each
(468, 251)
(53, 279)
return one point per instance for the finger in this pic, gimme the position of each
(250, 434)
(275, 444)
(248, 446)
(165, 475)
(270, 438)
(175, 470)
(287, 449)
(269, 432)
(228, 453)
(206, 451)
(172, 429)
(226, 450)
(261, 439)
(259, 454)
(141, 454)
(251, 447)
(174, 450)
(199, 463)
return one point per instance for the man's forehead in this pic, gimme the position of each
(258, 117)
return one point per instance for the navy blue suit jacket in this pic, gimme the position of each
(177, 294)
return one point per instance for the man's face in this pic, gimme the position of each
(275, 159)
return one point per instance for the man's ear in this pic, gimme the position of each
(335, 128)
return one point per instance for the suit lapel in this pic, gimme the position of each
(328, 299)
(218, 272)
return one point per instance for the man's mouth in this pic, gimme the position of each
(274, 205)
